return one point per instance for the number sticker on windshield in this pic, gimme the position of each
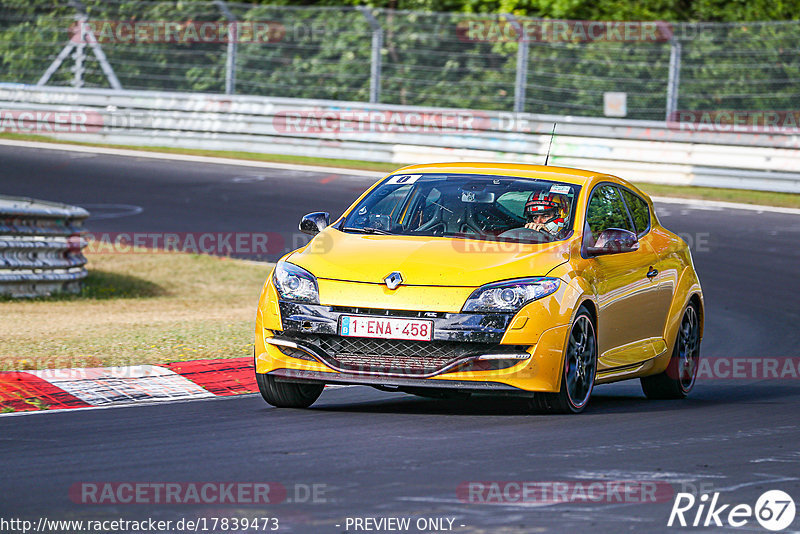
(404, 179)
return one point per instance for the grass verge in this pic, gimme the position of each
(137, 308)
(743, 196)
(766, 198)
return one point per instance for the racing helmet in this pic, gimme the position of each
(552, 205)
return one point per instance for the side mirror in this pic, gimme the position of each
(614, 241)
(314, 223)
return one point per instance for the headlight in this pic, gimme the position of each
(295, 283)
(511, 295)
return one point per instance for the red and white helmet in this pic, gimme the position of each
(551, 205)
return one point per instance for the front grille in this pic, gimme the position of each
(394, 356)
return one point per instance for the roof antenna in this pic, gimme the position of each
(549, 146)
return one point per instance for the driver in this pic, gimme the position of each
(546, 212)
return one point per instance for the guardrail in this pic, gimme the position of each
(40, 247)
(652, 151)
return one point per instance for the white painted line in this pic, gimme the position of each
(190, 158)
(764, 481)
(332, 170)
(114, 385)
(645, 476)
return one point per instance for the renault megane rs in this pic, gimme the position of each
(483, 278)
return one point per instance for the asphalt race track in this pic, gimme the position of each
(377, 454)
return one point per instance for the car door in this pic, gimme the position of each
(665, 272)
(626, 296)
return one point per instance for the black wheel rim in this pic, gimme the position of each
(688, 349)
(581, 362)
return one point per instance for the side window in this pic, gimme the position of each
(606, 210)
(639, 211)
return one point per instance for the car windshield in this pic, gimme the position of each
(468, 206)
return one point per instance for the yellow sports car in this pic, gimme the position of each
(483, 278)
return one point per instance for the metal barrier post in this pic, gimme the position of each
(233, 37)
(79, 56)
(674, 77)
(375, 60)
(522, 65)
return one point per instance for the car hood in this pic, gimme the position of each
(429, 261)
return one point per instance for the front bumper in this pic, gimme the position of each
(473, 386)
(468, 350)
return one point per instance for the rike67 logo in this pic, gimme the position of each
(774, 510)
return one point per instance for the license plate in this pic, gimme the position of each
(386, 327)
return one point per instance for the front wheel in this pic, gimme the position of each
(678, 379)
(580, 368)
(287, 394)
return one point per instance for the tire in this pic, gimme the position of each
(287, 394)
(580, 370)
(678, 379)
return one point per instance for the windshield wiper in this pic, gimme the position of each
(366, 230)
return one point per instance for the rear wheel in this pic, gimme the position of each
(580, 368)
(287, 394)
(678, 379)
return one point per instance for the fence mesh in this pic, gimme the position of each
(426, 59)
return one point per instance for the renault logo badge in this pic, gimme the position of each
(393, 280)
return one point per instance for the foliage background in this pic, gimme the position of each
(730, 60)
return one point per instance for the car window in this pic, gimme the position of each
(513, 202)
(470, 206)
(390, 204)
(606, 210)
(639, 211)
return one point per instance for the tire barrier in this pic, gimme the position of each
(41, 247)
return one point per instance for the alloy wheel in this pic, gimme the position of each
(581, 361)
